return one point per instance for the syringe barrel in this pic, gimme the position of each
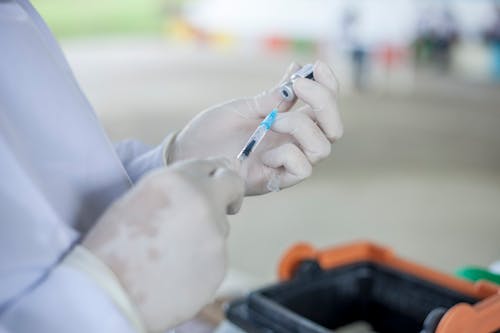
(253, 142)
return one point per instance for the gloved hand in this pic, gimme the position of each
(298, 140)
(165, 239)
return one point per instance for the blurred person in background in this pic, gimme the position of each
(97, 237)
(492, 37)
(437, 34)
(352, 36)
(445, 36)
(423, 44)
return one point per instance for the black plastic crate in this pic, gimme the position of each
(318, 301)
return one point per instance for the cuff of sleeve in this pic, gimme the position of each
(167, 145)
(83, 260)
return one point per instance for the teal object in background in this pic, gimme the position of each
(495, 48)
(476, 273)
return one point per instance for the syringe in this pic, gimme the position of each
(287, 94)
(258, 135)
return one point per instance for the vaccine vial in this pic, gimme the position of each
(286, 89)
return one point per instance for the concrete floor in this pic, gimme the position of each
(419, 172)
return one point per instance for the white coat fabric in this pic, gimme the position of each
(59, 172)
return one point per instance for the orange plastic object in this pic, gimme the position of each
(483, 317)
(464, 318)
(276, 43)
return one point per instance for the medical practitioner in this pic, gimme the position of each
(115, 238)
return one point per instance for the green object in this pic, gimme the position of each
(303, 46)
(476, 273)
(102, 17)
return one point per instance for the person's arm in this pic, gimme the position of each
(41, 290)
(139, 267)
(301, 137)
(139, 158)
(136, 157)
(65, 301)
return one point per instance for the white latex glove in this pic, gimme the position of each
(298, 140)
(165, 239)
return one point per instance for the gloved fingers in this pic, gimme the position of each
(228, 182)
(324, 75)
(200, 169)
(266, 101)
(292, 68)
(308, 135)
(289, 157)
(224, 163)
(307, 110)
(323, 102)
(229, 189)
(223, 188)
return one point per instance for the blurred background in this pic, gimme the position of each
(419, 167)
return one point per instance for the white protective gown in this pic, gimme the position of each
(59, 172)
